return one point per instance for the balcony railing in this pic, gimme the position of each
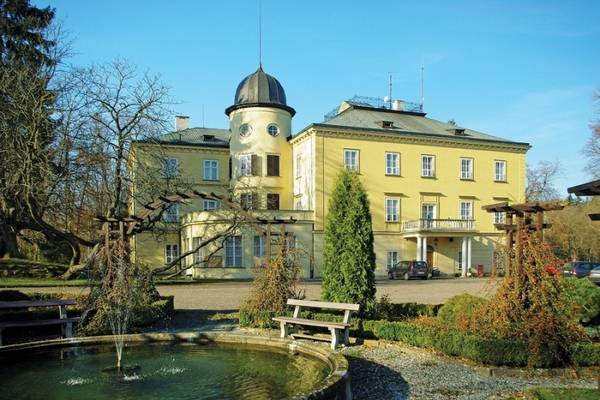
(439, 225)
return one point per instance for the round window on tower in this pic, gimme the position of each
(245, 130)
(273, 130)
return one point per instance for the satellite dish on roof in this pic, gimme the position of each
(386, 99)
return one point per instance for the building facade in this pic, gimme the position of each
(426, 181)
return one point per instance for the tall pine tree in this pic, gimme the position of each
(348, 258)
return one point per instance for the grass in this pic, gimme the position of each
(40, 282)
(563, 394)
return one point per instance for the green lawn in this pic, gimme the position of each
(39, 282)
(563, 394)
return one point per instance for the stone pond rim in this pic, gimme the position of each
(335, 386)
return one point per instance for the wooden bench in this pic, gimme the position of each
(65, 322)
(336, 328)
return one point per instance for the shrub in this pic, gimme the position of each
(275, 283)
(529, 307)
(586, 297)
(459, 310)
(429, 333)
(348, 256)
(385, 309)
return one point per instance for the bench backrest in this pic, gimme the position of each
(35, 303)
(324, 305)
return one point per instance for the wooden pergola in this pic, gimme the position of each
(587, 189)
(519, 217)
(118, 230)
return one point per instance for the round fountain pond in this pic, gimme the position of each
(168, 367)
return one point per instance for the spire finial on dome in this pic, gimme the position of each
(259, 35)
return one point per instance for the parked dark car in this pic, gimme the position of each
(410, 269)
(579, 269)
(595, 275)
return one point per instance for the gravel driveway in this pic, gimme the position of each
(228, 295)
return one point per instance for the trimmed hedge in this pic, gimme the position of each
(487, 351)
(28, 268)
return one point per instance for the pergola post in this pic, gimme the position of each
(519, 250)
(509, 244)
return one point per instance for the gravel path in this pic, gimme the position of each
(228, 295)
(399, 372)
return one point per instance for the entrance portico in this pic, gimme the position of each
(431, 231)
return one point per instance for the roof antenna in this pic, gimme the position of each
(422, 84)
(390, 95)
(259, 34)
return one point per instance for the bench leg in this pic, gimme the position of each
(335, 338)
(347, 336)
(68, 330)
(284, 329)
(0, 336)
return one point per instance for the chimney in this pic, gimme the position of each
(181, 122)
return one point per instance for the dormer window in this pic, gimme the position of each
(208, 138)
(387, 124)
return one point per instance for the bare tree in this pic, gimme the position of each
(540, 181)
(592, 147)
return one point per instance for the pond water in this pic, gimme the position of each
(162, 371)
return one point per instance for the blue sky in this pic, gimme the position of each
(523, 70)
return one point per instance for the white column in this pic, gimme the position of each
(464, 257)
(424, 249)
(469, 242)
(419, 248)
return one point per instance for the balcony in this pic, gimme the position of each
(439, 225)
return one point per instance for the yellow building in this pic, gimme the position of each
(426, 181)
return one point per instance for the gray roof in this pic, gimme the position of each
(259, 89)
(359, 116)
(204, 137)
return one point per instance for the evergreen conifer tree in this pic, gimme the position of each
(348, 258)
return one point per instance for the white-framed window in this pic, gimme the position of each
(351, 160)
(392, 163)
(393, 257)
(246, 165)
(197, 255)
(211, 170)
(233, 251)
(260, 246)
(392, 210)
(428, 211)
(427, 166)
(171, 213)
(466, 168)
(170, 167)
(290, 242)
(500, 171)
(208, 205)
(298, 166)
(466, 210)
(171, 253)
(499, 217)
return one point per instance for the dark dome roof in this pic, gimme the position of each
(260, 89)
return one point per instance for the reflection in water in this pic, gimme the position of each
(166, 371)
